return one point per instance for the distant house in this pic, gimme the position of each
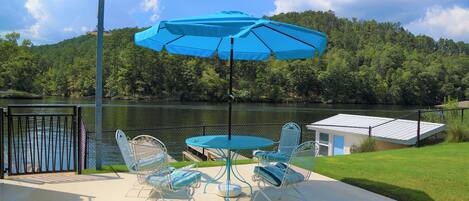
(335, 138)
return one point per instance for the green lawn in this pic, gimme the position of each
(438, 172)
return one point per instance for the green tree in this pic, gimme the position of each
(366, 62)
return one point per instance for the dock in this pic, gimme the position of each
(201, 154)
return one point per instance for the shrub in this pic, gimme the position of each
(457, 130)
(367, 145)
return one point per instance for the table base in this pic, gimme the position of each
(234, 190)
(231, 190)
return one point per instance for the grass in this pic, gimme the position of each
(123, 168)
(438, 172)
(367, 145)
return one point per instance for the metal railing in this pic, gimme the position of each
(453, 113)
(174, 137)
(53, 138)
(419, 118)
(2, 145)
(41, 139)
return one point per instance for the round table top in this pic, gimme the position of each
(237, 142)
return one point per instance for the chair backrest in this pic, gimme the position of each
(126, 150)
(289, 138)
(302, 160)
(150, 155)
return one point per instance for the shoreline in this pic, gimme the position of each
(14, 94)
(159, 99)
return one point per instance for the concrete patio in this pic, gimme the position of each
(121, 186)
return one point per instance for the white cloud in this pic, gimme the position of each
(152, 6)
(50, 21)
(283, 6)
(54, 20)
(441, 22)
(39, 13)
(435, 18)
(68, 29)
(85, 29)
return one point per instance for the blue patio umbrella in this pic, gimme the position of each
(233, 35)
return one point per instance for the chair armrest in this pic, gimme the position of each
(188, 167)
(276, 145)
(166, 170)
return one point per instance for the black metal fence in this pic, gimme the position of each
(174, 137)
(2, 145)
(429, 115)
(53, 138)
(41, 139)
(443, 116)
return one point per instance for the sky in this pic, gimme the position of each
(51, 21)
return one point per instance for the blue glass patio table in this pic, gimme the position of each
(228, 150)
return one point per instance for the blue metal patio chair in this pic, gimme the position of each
(289, 140)
(126, 150)
(280, 176)
(153, 169)
(124, 144)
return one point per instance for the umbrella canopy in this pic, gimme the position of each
(254, 38)
(233, 35)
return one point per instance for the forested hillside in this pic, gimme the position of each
(366, 62)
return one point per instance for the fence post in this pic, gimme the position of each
(203, 133)
(301, 133)
(418, 128)
(10, 138)
(86, 152)
(369, 131)
(462, 114)
(1, 145)
(78, 130)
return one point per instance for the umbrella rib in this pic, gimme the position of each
(167, 43)
(262, 41)
(219, 42)
(290, 36)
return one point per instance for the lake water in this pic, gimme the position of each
(130, 115)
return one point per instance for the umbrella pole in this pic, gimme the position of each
(99, 86)
(231, 97)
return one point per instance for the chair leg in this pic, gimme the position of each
(162, 195)
(255, 195)
(190, 193)
(139, 191)
(298, 191)
(265, 195)
(282, 191)
(149, 194)
(261, 191)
